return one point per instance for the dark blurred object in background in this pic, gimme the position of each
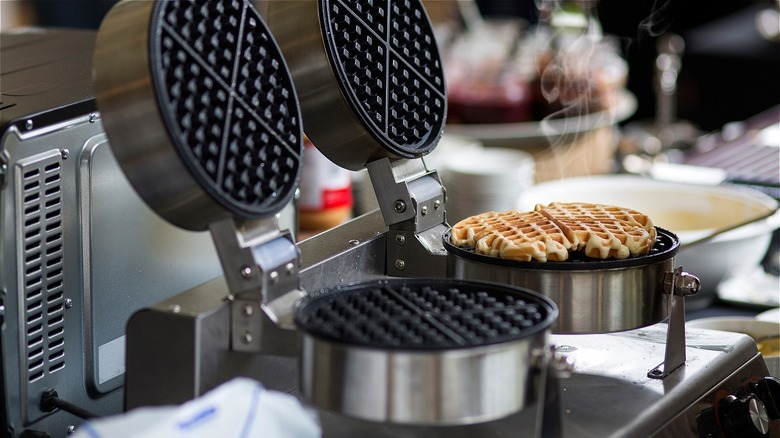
(85, 14)
(729, 71)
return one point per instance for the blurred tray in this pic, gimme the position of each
(541, 131)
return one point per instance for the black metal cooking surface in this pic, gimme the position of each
(228, 101)
(425, 314)
(386, 58)
(667, 244)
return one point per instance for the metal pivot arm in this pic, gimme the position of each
(261, 269)
(677, 285)
(412, 200)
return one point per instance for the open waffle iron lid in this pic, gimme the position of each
(369, 75)
(200, 109)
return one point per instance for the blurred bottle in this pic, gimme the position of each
(326, 192)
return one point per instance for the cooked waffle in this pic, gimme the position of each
(602, 231)
(512, 235)
(550, 232)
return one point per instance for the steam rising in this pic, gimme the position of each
(659, 20)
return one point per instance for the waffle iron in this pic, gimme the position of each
(203, 117)
(411, 354)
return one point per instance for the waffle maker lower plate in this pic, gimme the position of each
(423, 351)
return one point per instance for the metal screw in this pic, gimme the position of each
(290, 268)
(400, 239)
(353, 242)
(247, 310)
(71, 429)
(246, 338)
(424, 210)
(436, 204)
(399, 206)
(175, 308)
(274, 276)
(92, 117)
(28, 125)
(65, 154)
(246, 272)
(68, 303)
(656, 372)
(399, 264)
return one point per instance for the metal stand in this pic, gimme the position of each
(677, 285)
(412, 200)
(261, 269)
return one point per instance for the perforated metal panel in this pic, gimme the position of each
(41, 268)
(389, 65)
(228, 102)
(424, 314)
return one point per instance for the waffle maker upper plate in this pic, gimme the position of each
(200, 109)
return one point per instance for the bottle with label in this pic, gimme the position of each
(326, 192)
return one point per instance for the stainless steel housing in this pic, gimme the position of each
(622, 296)
(457, 386)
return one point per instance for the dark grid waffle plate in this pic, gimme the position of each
(228, 102)
(385, 55)
(425, 314)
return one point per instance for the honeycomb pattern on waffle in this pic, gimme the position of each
(512, 235)
(418, 315)
(228, 101)
(602, 231)
(388, 59)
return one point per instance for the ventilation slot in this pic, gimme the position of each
(41, 267)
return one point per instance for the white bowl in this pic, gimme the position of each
(690, 211)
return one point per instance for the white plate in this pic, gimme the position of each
(625, 107)
(771, 315)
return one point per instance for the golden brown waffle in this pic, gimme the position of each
(550, 232)
(602, 231)
(512, 235)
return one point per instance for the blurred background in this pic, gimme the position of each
(556, 89)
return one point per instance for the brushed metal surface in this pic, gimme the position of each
(458, 386)
(589, 301)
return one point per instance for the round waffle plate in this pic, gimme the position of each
(199, 108)
(424, 314)
(386, 58)
(228, 102)
(369, 75)
(424, 351)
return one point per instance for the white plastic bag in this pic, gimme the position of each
(240, 408)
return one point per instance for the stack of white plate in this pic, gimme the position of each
(489, 179)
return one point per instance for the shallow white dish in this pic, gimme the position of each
(771, 315)
(542, 130)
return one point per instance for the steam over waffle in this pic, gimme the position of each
(550, 232)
